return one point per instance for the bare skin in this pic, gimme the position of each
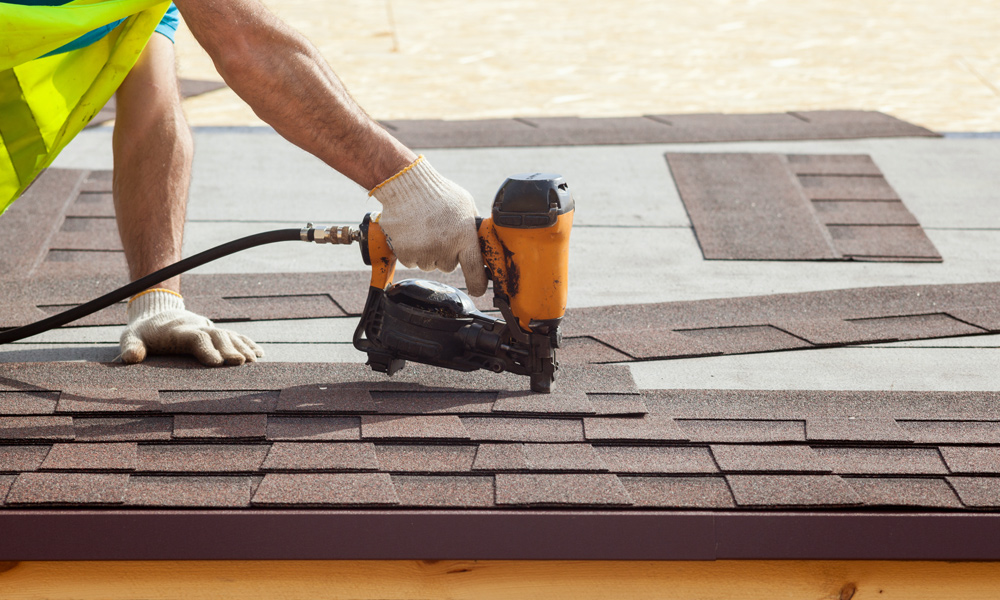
(292, 88)
(153, 150)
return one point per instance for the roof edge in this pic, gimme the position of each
(495, 535)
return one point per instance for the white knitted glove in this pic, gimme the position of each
(431, 223)
(159, 324)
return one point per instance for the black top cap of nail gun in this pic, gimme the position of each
(532, 200)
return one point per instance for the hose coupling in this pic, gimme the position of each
(330, 235)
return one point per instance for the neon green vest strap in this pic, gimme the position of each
(45, 102)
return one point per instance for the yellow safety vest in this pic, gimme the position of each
(46, 100)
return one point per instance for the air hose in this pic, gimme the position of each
(306, 234)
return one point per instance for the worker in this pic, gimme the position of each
(429, 220)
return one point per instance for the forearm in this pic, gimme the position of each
(290, 86)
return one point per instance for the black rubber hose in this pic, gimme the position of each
(251, 241)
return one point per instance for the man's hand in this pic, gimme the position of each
(431, 223)
(159, 324)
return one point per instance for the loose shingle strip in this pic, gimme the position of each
(796, 207)
(685, 128)
(28, 403)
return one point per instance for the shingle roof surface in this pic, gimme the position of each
(169, 434)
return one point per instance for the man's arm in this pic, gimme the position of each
(429, 219)
(289, 85)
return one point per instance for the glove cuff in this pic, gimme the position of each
(418, 182)
(154, 301)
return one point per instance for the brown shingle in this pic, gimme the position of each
(219, 401)
(742, 430)
(900, 491)
(977, 492)
(412, 427)
(188, 491)
(328, 397)
(648, 427)
(972, 459)
(84, 398)
(658, 459)
(560, 489)
(953, 432)
(36, 428)
(420, 458)
(313, 428)
(563, 457)
(532, 403)
(516, 429)
(500, 457)
(14, 459)
(220, 426)
(68, 488)
(850, 429)
(123, 429)
(883, 461)
(326, 489)
(454, 491)
(114, 456)
(679, 492)
(321, 456)
(28, 403)
(201, 458)
(791, 490)
(768, 458)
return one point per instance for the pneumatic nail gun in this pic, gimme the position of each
(524, 242)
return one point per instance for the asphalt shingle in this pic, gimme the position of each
(439, 491)
(424, 458)
(68, 488)
(321, 456)
(114, 456)
(326, 489)
(560, 489)
(792, 490)
(201, 458)
(679, 492)
(188, 491)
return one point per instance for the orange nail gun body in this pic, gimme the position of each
(525, 243)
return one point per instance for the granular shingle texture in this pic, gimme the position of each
(776, 207)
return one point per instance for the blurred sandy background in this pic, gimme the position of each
(931, 62)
